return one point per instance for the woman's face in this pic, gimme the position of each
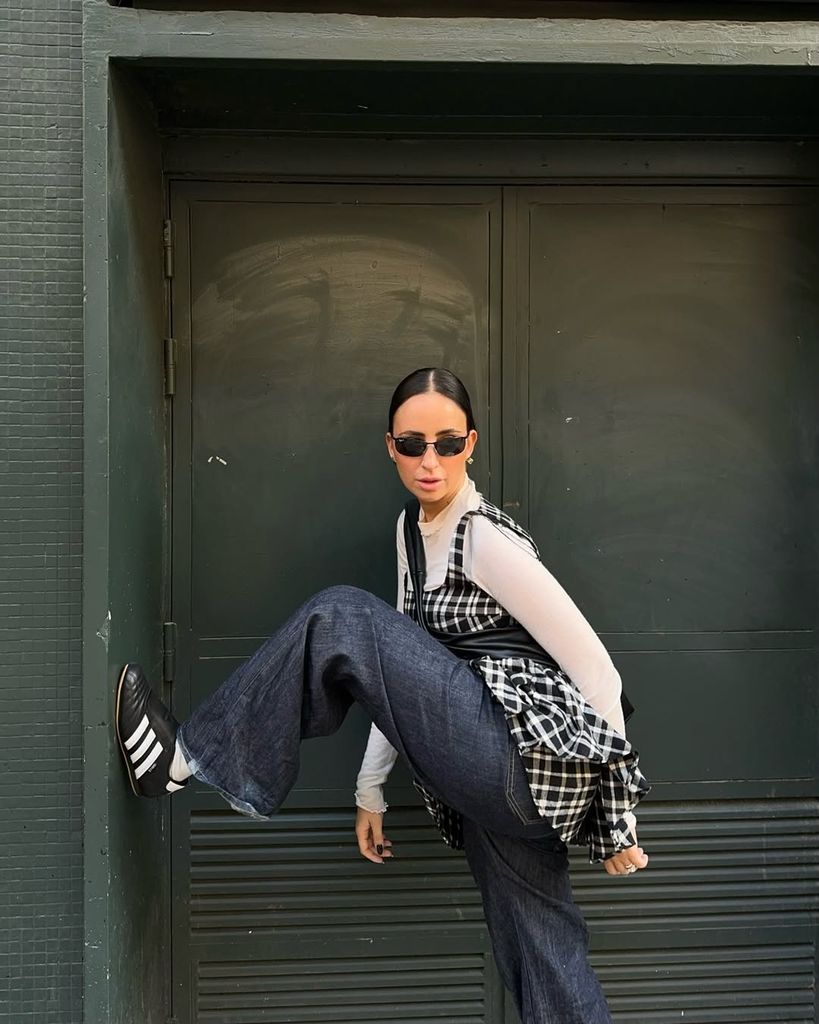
(432, 478)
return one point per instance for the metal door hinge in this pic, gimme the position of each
(168, 651)
(167, 247)
(170, 366)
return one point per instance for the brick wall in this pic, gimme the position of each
(41, 518)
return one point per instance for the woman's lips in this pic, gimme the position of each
(429, 484)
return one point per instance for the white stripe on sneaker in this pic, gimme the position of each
(143, 747)
(148, 762)
(140, 729)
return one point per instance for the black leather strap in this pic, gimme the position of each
(416, 557)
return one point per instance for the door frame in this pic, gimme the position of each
(512, 490)
(127, 162)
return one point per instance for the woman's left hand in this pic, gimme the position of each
(626, 862)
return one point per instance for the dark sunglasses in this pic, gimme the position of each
(414, 446)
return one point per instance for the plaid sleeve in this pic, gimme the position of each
(606, 830)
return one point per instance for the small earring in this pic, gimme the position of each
(470, 460)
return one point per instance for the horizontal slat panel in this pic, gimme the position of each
(710, 986)
(332, 991)
(719, 864)
(716, 986)
(303, 871)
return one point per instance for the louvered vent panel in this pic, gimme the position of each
(718, 864)
(303, 871)
(335, 991)
(740, 985)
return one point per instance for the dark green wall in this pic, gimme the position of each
(41, 522)
(41, 483)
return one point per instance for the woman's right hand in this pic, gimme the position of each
(371, 841)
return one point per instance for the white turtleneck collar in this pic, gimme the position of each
(465, 497)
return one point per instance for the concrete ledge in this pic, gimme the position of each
(244, 35)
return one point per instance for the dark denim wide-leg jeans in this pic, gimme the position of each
(345, 644)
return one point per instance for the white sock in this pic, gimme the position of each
(179, 770)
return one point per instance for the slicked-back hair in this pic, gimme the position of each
(432, 378)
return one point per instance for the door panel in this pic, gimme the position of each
(673, 406)
(673, 426)
(671, 481)
(304, 316)
(297, 312)
(643, 364)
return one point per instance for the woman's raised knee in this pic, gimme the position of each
(343, 595)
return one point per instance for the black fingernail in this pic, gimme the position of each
(379, 848)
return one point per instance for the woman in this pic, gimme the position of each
(513, 754)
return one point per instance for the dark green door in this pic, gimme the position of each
(305, 307)
(670, 476)
(644, 368)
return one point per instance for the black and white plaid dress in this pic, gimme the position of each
(583, 775)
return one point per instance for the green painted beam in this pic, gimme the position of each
(244, 35)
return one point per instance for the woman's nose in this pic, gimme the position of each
(430, 458)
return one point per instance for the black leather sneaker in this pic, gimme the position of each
(146, 731)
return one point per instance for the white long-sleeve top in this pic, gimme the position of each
(498, 561)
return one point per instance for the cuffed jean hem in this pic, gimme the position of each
(201, 775)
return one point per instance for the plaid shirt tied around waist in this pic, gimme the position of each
(582, 774)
